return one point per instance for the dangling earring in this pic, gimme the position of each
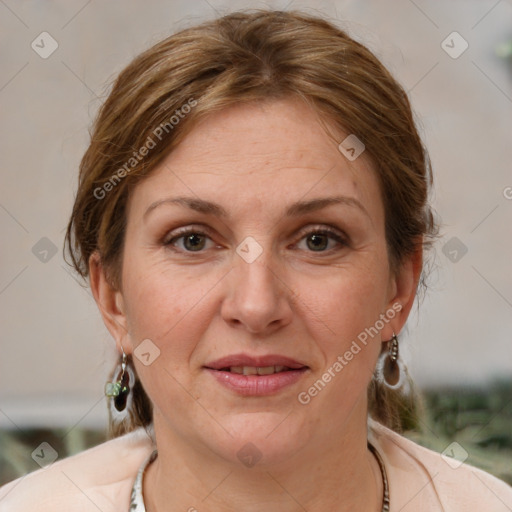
(119, 390)
(390, 369)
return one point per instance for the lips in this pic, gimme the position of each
(256, 375)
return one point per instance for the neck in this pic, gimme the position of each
(340, 475)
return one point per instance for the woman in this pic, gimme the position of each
(259, 369)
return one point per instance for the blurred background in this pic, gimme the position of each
(58, 60)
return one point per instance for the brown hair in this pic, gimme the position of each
(246, 57)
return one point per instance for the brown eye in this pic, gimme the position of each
(193, 240)
(318, 239)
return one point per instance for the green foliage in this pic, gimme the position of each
(479, 419)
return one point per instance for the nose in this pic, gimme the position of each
(258, 297)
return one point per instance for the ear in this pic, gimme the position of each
(402, 291)
(110, 303)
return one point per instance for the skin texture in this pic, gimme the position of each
(303, 300)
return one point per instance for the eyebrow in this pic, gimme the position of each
(295, 209)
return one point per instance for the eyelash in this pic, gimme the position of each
(333, 234)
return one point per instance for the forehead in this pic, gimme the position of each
(259, 157)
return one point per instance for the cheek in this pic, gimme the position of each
(348, 301)
(166, 305)
(167, 309)
(344, 313)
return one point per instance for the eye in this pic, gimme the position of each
(319, 238)
(193, 239)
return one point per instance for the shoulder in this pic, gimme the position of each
(99, 478)
(421, 479)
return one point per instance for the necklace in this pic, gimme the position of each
(137, 501)
(385, 492)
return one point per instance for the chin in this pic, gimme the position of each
(260, 439)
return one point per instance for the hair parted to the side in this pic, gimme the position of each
(250, 56)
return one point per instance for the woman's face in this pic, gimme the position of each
(257, 281)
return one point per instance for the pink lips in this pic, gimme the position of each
(256, 385)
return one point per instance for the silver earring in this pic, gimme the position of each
(390, 370)
(119, 390)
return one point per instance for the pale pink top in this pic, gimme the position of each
(101, 478)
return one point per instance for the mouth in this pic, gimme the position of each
(256, 376)
(258, 370)
(255, 365)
